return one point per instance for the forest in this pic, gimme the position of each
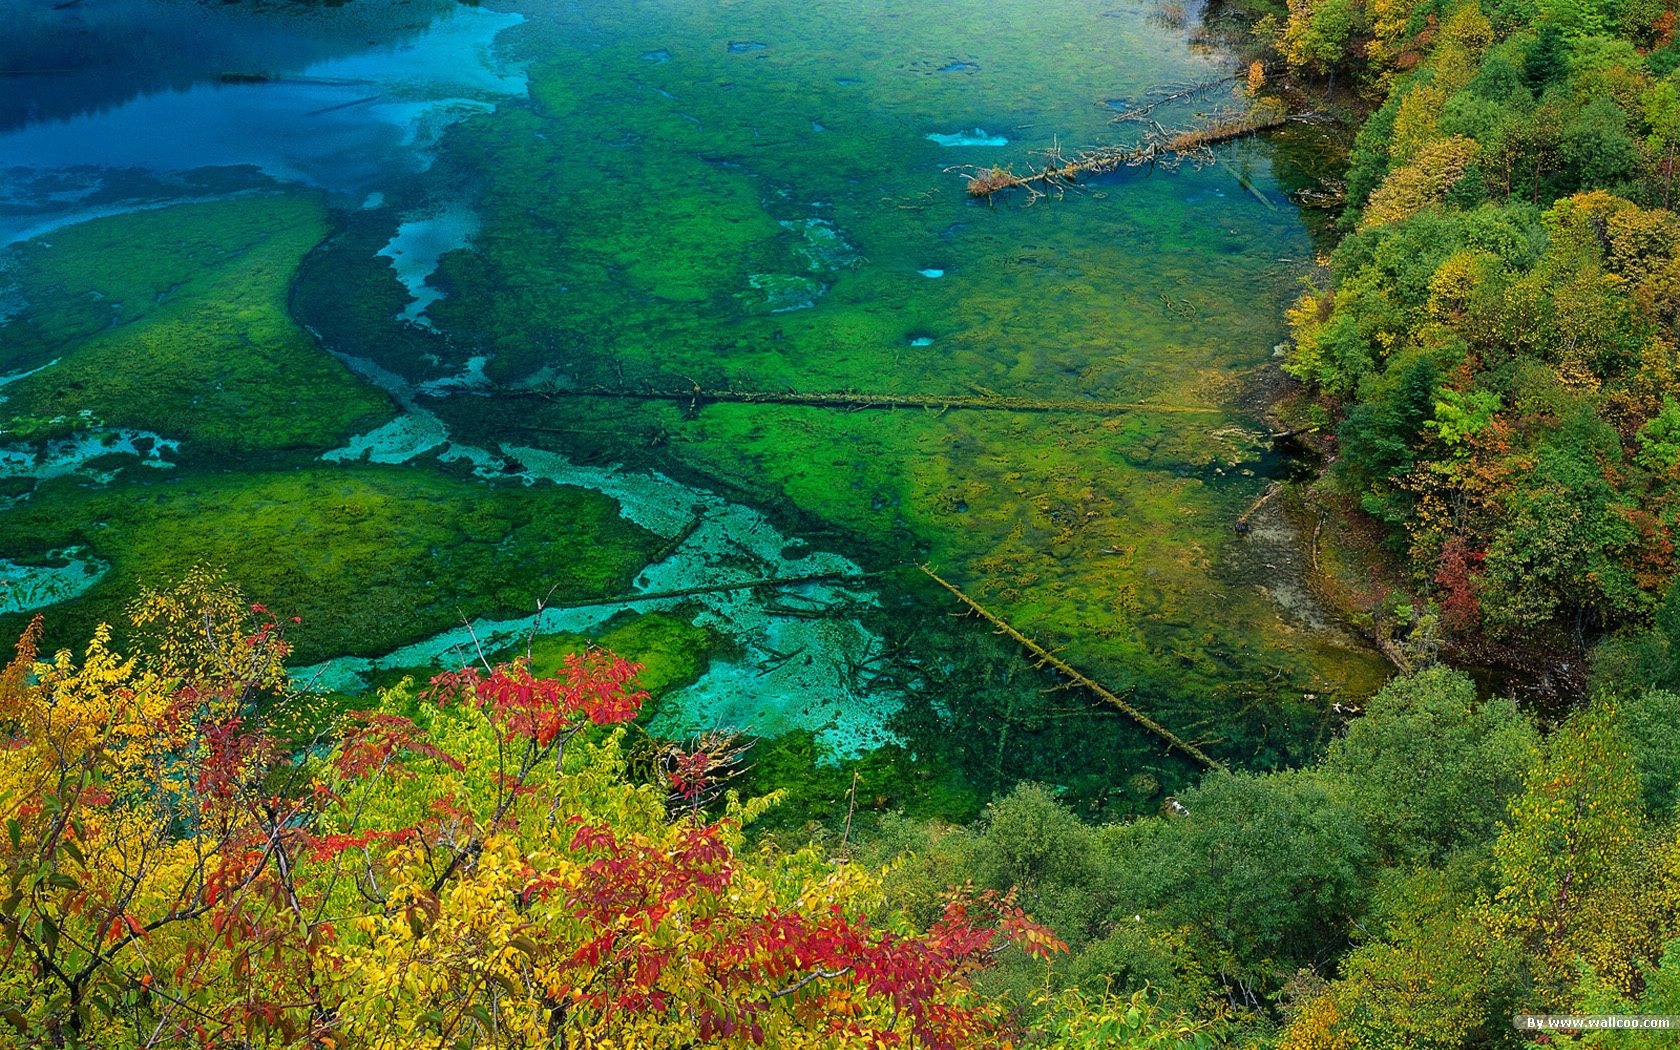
(1494, 335)
(199, 851)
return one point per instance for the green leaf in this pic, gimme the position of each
(508, 985)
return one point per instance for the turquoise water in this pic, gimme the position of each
(346, 122)
(604, 198)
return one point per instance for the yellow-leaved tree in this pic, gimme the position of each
(178, 868)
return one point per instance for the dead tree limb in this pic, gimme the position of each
(1160, 146)
(1176, 96)
(717, 588)
(1243, 525)
(1046, 657)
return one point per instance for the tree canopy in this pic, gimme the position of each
(180, 867)
(1497, 331)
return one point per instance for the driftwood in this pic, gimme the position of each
(678, 540)
(1159, 146)
(1046, 657)
(1272, 490)
(718, 588)
(852, 400)
(1142, 112)
(239, 76)
(1254, 191)
(1279, 436)
(344, 105)
(1330, 193)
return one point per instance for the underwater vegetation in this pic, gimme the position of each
(672, 651)
(1109, 536)
(702, 198)
(174, 321)
(399, 552)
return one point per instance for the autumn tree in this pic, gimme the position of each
(178, 872)
(1584, 882)
(1508, 247)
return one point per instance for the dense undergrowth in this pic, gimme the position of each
(1443, 867)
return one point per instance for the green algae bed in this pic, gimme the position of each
(368, 558)
(175, 321)
(740, 196)
(672, 651)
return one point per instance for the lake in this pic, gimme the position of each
(442, 325)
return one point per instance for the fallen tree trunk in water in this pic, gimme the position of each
(1160, 146)
(1167, 96)
(1272, 489)
(1045, 657)
(719, 588)
(852, 401)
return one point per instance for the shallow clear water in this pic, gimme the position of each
(616, 197)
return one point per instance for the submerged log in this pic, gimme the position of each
(853, 400)
(1330, 193)
(719, 588)
(1047, 658)
(344, 105)
(1247, 184)
(1166, 96)
(245, 76)
(1242, 525)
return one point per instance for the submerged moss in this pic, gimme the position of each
(369, 558)
(175, 321)
(672, 651)
(819, 791)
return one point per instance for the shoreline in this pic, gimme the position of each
(1345, 545)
